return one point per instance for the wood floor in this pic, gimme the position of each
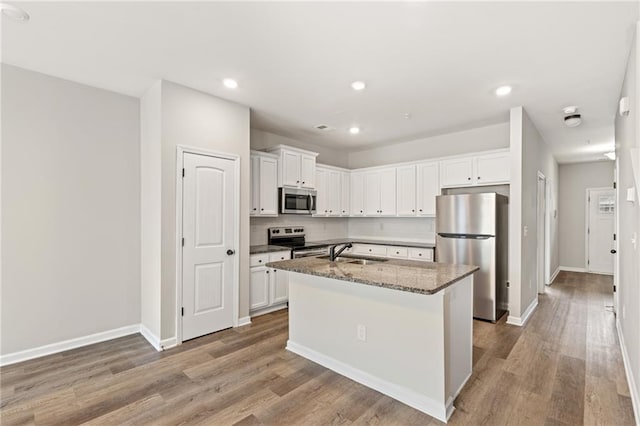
(563, 368)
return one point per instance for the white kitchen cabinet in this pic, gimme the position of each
(357, 194)
(297, 167)
(322, 197)
(345, 193)
(380, 192)
(486, 169)
(428, 188)
(396, 252)
(333, 189)
(421, 254)
(328, 187)
(492, 169)
(456, 172)
(264, 185)
(269, 287)
(406, 190)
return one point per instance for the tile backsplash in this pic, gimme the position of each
(319, 228)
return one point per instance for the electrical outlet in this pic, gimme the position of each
(526, 230)
(362, 332)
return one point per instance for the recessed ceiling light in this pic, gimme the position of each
(503, 90)
(610, 155)
(358, 85)
(354, 130)
(230, 83)
(13, 12)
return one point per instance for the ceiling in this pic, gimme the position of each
(294, 62)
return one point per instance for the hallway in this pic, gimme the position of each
(563, 368)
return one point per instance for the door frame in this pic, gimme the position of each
(541, 280)
(587, 218)
(616, 221)
(180, 151)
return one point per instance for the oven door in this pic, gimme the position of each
(297, 201)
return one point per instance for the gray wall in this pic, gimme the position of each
(261, 140)
(197, 119)
(574, 181)
(474, 140)
(70, 210)
(627, 134)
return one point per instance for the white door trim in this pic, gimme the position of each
(547, 232)
(180, 151)
(616, 222)
(587, 220)
(541, 231)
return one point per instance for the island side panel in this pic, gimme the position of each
(403, 352)
(458, 303)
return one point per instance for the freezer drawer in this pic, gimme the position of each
(479, 252)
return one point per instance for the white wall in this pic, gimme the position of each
(316, 228)
(627, 131)
(416, 229)
(529, 154)
(150, 208)
(574, 181)
(197, 119)
(261, 140)
(474, 140)
(70, 210)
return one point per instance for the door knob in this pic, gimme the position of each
(230, 252)
(614, 251)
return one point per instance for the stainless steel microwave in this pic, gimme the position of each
(297, 201)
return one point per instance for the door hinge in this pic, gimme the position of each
(588, 262)
(614, 288)
(615, 185)
(614, 237)
(588, 230)
(183, 172)
(589, 199)
(182, 241)
(182, 311)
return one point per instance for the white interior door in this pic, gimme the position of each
(208, 248)
(600, 229)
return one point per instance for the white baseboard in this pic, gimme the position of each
(553, 277)
(66, 345)
(522, 320)
(244, 321)
(151, 338)
(169, 343)
(635, 397)
(268, 310)
(572, 269)
(407, 396)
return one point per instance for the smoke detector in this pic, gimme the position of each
(572, 117)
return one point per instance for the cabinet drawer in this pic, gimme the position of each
(370, 250)
(397, 252)
(280, 255)
(259, 259)
(421, 254)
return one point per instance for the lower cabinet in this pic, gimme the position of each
(269, 288)
(396, 252)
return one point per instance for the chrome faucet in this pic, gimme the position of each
(332, 251)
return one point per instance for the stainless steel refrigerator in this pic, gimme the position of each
(472, 229)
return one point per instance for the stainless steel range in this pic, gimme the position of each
(294, 237)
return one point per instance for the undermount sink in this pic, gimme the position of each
(355, 260)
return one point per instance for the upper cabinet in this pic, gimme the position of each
(487, 169)
(332, 185)
(428, 188)
(264, 189)
(297, 167)
(380, 192)
(406, 190)
(357, 194)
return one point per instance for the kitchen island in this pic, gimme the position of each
(403, 328)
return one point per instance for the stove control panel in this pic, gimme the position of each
(286, 232)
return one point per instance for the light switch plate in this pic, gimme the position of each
(631, 195)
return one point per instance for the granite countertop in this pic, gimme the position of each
(378, 242)
(267, 249)
(404, 275)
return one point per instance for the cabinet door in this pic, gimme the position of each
(372, 194)
(307, 171)
(279, 283)
(255, 185)
(456, 172)
(492, 169)
(322, 197)
(388, 194)
(345, 189)
(333, 189)
(428, 188)
(259, 288)
(406, 190)
(357, 194)
(290, 169)
(268, 186)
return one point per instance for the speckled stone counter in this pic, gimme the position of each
(266, 249)
(403, 275)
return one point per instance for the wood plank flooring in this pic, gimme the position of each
(563, 368)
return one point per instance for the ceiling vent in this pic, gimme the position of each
(323, 127)
(572, 117)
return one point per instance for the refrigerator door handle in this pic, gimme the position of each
(465, 236)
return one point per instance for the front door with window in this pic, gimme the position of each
(600, 229)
